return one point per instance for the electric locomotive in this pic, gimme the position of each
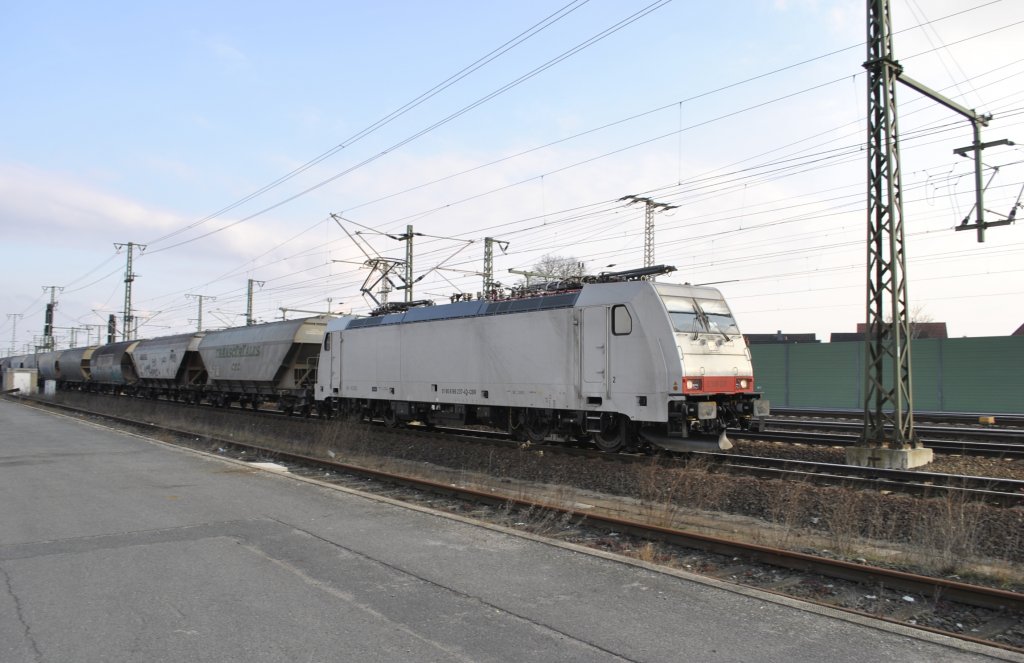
(617, 359)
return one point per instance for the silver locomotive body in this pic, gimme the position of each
(625, 364)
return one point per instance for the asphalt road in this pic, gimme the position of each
(118, 548)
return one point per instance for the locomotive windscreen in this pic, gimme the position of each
(694, 314)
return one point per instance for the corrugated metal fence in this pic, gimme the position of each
(949, 375)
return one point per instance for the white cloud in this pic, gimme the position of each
(47, 204)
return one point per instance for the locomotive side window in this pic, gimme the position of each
(622, 322)
(327, 342)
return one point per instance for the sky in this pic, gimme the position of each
(286, 142)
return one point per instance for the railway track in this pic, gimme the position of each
(1002, 492)
(920, 416)
(818, 438)
(984, 441)
(966, 611)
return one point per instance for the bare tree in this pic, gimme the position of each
(919, 320)
(559, 267)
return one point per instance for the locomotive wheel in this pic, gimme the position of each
(390, 418)
(614, 434)
(352, 412)
(536, 426)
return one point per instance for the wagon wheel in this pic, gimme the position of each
(614, 434)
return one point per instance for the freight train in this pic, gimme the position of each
(617, 360)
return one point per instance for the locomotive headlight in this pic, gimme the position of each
(692, 385)
(742, 383)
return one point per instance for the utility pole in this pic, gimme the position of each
(48, 342)
(249, 320)
(129, 277)
(408, 280)
(408, 264)
(528, 274)
(489, 243)
(379, 280)
(88, 333)
(888, 403)
(199, 320)
(284, 311)
(651, 208)
(13, 317)
(407, 238)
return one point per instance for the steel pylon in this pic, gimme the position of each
(888, 402)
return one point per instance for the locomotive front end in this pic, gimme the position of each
(713, 387)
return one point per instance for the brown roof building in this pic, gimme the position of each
(917, 329)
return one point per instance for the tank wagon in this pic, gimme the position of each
(625, 362)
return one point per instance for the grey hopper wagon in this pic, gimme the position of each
(270, 362)
(111, 367)
(49, 365)
(74, 366)
(23, 361)
(170, 366)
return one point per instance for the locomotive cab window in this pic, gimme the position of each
(327, 341)
(622, 321)
(697, 316)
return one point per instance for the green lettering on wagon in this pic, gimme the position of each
(240, 350)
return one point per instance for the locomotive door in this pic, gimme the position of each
(594, 350)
